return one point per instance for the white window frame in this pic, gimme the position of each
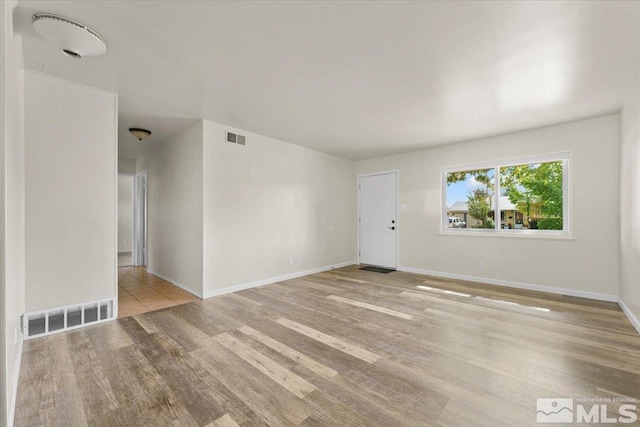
(566, 231)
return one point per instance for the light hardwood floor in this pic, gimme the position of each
(342, 348)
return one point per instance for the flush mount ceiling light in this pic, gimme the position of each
(75, 40)
(140, 133)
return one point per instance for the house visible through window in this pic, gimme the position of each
(529, 196)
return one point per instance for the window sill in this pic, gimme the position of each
(508, 235)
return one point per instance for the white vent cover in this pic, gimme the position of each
(46, 322)
(236, 138)
(74, 39)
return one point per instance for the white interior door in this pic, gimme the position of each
(378, 224)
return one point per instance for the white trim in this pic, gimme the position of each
(509, 161)
(387, 172)
(16, 375)
(512, 284)
(632, 317)
(520, 234)
(497, 212)
(176, 283)
(114, 306)
(243, 286)
(396, 172)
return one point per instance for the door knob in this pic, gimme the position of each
(391, 228)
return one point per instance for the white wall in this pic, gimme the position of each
(12, 225)
(125, 213)
(71, 200)
(126, 165)
(587, 264)
(630, 204)
(268, 201)
(174, 175)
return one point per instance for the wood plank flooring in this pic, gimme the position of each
(340, 348)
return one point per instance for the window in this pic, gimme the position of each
(518, 196)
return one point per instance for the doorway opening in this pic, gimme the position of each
(125, 219)
(139, 253)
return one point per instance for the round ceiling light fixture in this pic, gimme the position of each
(74, 39)
(140, 133)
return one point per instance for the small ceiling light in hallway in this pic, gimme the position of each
(140, 133)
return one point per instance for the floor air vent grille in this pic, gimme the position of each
(45, 322)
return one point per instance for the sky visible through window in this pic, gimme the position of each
(459, 191)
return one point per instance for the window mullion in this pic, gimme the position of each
(496, 211)
(445, 210)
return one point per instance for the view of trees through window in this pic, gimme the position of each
(531, 197)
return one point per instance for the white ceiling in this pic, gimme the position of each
(354, 79)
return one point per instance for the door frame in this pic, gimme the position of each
(395, 172)
(140, 255)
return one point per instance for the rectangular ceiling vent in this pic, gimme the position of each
(234, 138)
(46, 322)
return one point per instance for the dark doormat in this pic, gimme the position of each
(376, 269)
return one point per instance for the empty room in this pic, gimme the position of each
(319, 213)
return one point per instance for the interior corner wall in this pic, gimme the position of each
(174, 186)
(4, 101)
(12, 222)
(71, 177)
(268, 201)
(586, 265)
(141, 160)
(630, 205)
(126, 165)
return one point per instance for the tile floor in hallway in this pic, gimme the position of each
(141, 292)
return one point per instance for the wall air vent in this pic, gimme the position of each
(236, 139)
(46, 322)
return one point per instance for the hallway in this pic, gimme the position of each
(141, 292)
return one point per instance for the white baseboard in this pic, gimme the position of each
(14, 386)
(511, 284)
(632, 317)
(243, 286)
(175, 282)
